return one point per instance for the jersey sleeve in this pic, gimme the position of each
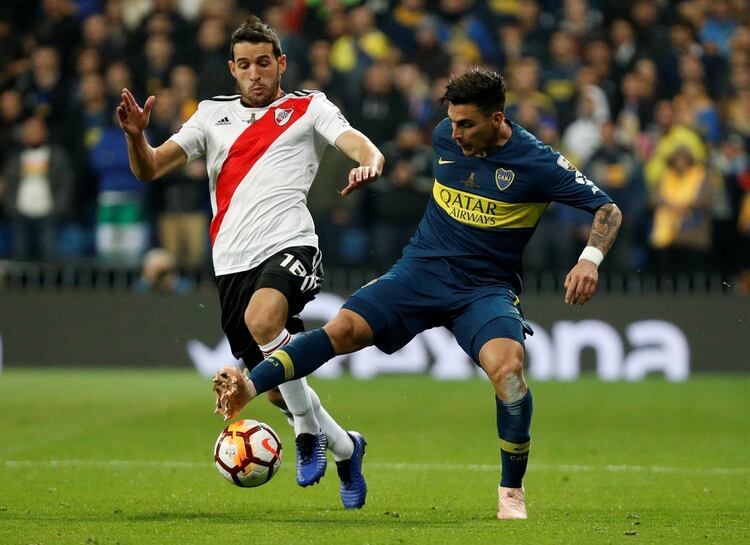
(330, 123)
(191, 137)
(565, 184)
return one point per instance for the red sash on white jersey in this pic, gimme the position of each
(249, 148)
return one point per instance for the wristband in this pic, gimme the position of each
(593, 254)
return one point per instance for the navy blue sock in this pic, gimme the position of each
(303, 355)
(513, 428)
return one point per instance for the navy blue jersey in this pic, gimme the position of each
(483, 211)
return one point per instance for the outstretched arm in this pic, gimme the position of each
(359, 148)
(146, 162)
(583, 279)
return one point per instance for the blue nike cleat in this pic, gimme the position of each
(353, 486)
(311, 458)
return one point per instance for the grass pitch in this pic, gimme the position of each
(105, 457)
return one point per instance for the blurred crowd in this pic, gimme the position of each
(650, 98)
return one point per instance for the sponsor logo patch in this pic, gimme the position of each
(564, 163)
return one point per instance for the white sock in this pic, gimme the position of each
(295, 392)
(339, 442)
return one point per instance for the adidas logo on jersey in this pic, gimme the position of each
(223, 121)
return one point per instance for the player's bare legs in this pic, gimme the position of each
(502, 360)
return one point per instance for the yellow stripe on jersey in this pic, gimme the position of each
(479, 211)
(515, 448)
(284, 359)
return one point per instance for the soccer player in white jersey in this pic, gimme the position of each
(263, 148)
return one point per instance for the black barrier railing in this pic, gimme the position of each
(90, 275)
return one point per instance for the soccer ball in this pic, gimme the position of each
(248, 453)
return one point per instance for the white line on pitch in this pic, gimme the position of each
(572, 468)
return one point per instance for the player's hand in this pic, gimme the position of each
(132, 118)
(233, 391)
(361, 176)
(581, 282)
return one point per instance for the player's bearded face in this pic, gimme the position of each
(258, 72)
(474, 131)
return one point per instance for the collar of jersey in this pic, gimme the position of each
(269, 105)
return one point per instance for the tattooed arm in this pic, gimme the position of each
(583, 279)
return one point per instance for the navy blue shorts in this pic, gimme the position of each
(417, 294)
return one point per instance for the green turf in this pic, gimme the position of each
(110, 458)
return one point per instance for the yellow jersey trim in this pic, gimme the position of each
(515, 448)
(284, 359)
(485, 213)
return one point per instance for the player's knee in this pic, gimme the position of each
(504, 367)
(261, 324)
(348, 332)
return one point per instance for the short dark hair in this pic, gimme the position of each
(484, 88)
(255, 31)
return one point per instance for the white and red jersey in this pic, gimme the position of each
(261, 163)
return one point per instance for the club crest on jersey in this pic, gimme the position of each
(503, 178)
(283, 116)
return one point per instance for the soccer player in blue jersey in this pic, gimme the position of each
(462, 269)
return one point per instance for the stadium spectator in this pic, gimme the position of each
(401, 24)
(524, 82)
(582, 137)
(180, 202)
(634, 114)
(122, 233)
(119, 34)
(160, 274)
(558, 76)
(11, 115)
(87, 119)
(88, 60)
(43, 87)
(400, 198)
(465, 34)
(100, 35)
(12, 60)
(155, 64)
(617, 171)
(212, 43)
(58, 28)
(380, 106)
(322, 75)
(117, 76)
(582, 20)
(38, 191)
(668, 135)
(700, 110)
(293, 43)
(651, 35)
(430, 55)
(535, 28)
(680, 236)
(719, 26)
(415, 87)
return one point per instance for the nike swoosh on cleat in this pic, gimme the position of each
(442, 161)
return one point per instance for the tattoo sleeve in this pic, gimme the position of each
(604, 229)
